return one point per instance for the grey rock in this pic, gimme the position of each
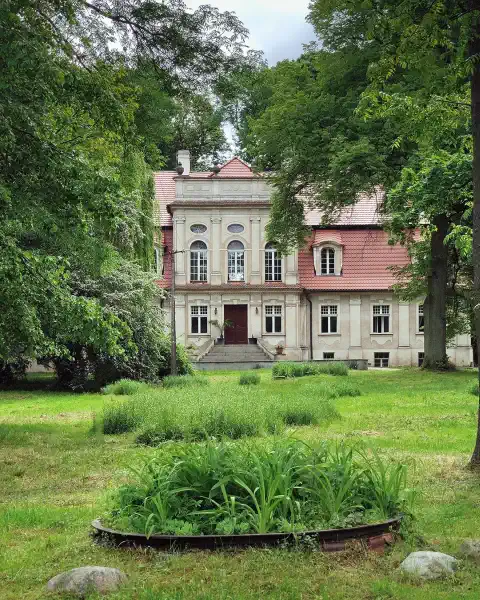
(471, 549)
(86, 580)
(429, 565)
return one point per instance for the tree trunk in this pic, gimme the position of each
(475, 97)
(435, 306)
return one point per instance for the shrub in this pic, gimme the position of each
(249, 379)
(124, 387)
(238, 488)
(184, 380)
(294, 369)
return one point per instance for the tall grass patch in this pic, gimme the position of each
(249, 379)
(195, 413)
(302, 369)
(125, 387)
(172, 381)
(225, 488)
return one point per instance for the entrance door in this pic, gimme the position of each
(238, 315)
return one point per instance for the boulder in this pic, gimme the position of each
(471, 549)
(429, 565)
(86, 580)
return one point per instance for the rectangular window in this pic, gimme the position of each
(421, 356)
(381, 359)
(273, 265)
(381, 318)
(328, 355)
(199, 319)
(421, 319)
(273, 319)
(236, 266)
(329, 318)
(198, 265)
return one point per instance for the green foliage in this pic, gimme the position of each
(249, 379)
(294, 369)
(281, 486)
(474, 389)
(188, 409)
(119, 418)
(173, 381)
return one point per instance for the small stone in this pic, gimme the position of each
(429, 565)
(85, 580)
(471, 549)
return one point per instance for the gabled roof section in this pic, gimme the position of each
(235, 167)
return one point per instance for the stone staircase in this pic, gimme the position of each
(234, 356)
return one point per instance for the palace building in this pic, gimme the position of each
(332, 300)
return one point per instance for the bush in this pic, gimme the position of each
(239, 488)
(249, 379)
(294, 369)
(124, 387)
(184, 380)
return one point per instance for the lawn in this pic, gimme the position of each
(55, 476)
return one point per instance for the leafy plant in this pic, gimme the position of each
(284, 485)
(124, 387)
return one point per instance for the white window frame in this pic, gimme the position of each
(329, 311)
(382, 310)
(382, 364)
(272, 264)
(199, 312)
(271, 311)
(420, 313)
(236, 266)
(200, 258)
(330, 261)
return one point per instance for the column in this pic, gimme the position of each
(215, 251)
(179, 244)
(355, 328)
(255, 273)
(404, 324)
(290, 270)
(181, 323)
(291, 338)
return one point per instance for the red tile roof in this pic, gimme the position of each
(366, 211)
(235, 167)
(321, 236)
(164, 194)
(366, 258)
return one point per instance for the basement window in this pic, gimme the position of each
(328, 355)
(381, 359)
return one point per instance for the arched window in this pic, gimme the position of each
(327, 261)
(198, 261)
(273, 264)
(236, 261)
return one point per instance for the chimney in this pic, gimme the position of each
(183, 157)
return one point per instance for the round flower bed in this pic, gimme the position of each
(222, 494)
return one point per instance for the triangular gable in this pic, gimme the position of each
(235, 167)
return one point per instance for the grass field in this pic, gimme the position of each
(55, 476)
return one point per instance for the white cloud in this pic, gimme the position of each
(277, 27)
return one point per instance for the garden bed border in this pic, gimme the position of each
(329, 540)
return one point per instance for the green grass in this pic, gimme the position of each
(55, 475)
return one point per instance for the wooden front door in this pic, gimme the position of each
(238, 315)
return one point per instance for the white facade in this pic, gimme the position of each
(222, 261)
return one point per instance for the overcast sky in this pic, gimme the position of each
(277, 27)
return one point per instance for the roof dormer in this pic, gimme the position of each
(327, 253)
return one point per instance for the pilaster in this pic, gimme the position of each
(403, 324)
(179, 243)
(255, 274)
(216, 273)
(355, 322)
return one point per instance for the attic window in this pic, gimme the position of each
(328, 259)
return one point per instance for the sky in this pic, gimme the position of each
(277, 27)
